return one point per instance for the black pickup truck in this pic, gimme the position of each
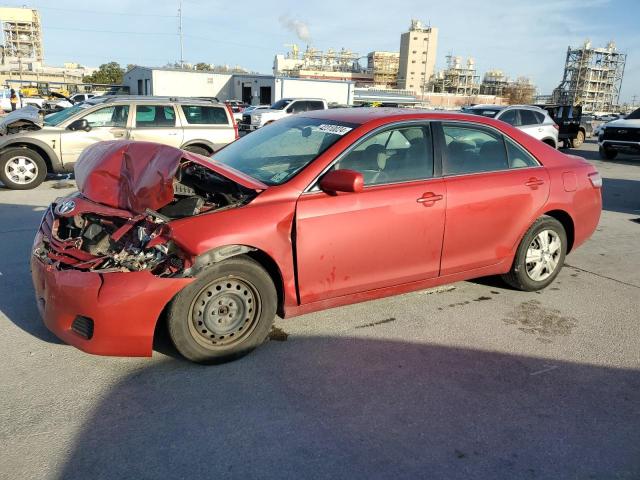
(572, 131)
(620, 136)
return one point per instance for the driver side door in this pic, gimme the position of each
(107, 123)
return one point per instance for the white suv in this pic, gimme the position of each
(282, 108)
(532, 120)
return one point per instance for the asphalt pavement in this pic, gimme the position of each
(472, 380)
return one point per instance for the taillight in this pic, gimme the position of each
(596, 180)
(233, 120)
(555, 125)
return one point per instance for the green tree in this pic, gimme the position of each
(107, 73)
(203, 66)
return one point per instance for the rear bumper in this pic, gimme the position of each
(124, 306)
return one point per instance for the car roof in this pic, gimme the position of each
(150, 99)
(361, 116)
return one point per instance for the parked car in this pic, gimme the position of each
(532, 120)
(620, 136)
(81, 97)
(237, 107)
(31, 148)
(320, 209)
(571, 130)
(283, 108)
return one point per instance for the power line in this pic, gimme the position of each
(96, 12)
(109, 31)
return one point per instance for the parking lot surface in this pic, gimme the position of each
(472, 380)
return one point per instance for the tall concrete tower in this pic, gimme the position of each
(418, 49)
(22, 35)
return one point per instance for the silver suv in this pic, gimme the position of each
(30, 148)
(532, 120)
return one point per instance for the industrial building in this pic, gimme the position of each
(418, 49)
(253, 89)
(592, 78)
(494, 82)
(459, 78)
(333, 64)
(384, 68)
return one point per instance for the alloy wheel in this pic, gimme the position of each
(21, 170)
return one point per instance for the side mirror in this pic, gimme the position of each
(342, 181)
(290, 110)
(80, 124)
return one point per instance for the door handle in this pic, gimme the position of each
(429, 199)
(534, 183)
(118, 134)
(172, 134)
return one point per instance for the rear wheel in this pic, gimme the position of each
(540, 255)
(226, 313)
(607, 154)
(22, 169)
(579, 140)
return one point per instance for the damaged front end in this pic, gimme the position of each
(120, 220)
(21, 120)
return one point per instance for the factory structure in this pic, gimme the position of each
(592, 78)
(22, 53)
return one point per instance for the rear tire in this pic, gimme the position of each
(607, 154)
(225, 313)
(579, 140)
(22, 168)
(540, 256)
(197, 149)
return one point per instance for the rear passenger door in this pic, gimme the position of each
(209, 124)
(315, 105)
(156, 123)
(495, 189)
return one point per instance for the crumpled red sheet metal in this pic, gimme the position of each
(128, 175)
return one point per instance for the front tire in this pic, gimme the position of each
(540, 256)
(607, 154)
(579, 140)
(225, 314)
(22, 169)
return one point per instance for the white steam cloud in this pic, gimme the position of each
(300, 28)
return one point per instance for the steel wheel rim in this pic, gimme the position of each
(543, 255)
(21, 170)
(224, 312)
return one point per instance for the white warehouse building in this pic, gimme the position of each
(254, 89)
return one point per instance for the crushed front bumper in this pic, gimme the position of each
(123, 306)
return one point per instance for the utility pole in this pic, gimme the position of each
(180, 34)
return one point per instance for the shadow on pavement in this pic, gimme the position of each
(17, 230)
(325, 407)
(622, 158)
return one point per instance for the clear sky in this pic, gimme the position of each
(520, 37)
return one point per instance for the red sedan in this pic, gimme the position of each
(315, 211)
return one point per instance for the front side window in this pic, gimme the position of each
(396, 155)
(276, 153)
(280, 104)
(113, 116)
(472, 150)
(155, 116)
(204, 115)
(511, 117)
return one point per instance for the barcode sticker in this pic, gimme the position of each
(337, 129)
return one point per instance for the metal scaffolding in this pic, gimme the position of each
(22, 34)
(459, 78)
(592, 78)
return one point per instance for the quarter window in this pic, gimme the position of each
(202, 115)
(518, 156)
(397, 155)
(155, 116)
(473, 150)
(114, 116)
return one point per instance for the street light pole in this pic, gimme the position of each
(180, 34)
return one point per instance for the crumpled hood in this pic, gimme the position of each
(136, 176)
(27, 115)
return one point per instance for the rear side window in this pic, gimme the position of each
(527, 117)
(204, 115)
(155, 116)
(315, 105)
(298, 107)
(473, 150)
(518, 156)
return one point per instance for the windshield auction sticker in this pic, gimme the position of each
(337, 129)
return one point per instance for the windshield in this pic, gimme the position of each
(280, 104)
(276, 153)
(55, 119)
(485, 112)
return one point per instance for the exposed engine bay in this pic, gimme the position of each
(79, 233)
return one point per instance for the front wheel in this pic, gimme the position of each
(579, 140)
(22, 169)
(225, 314)
(540, 256)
